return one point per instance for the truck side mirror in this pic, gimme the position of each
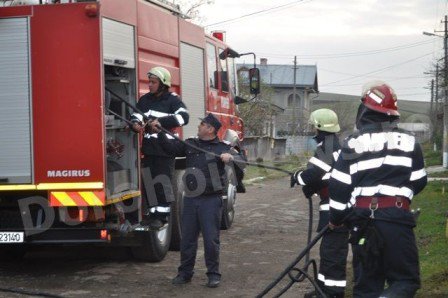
(228, 53)
(254, 81)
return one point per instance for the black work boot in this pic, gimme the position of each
(213, 281)
(311, 294)
(180, 280)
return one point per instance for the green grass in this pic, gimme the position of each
(432, 157)
(291, 164)
(442, 174)
(432, 239)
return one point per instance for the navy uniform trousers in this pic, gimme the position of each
(333, 257)
(398, 265)
(200, 214)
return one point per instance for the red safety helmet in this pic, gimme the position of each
(380, 97)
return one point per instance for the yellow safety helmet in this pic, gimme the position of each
(162, 73)
(325, 120)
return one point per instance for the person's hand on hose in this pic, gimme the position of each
(308, 191)
(155, 126)
(136, 127)
(293, 180)
(226, 157)
(332, 226)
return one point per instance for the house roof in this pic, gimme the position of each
(278, 75)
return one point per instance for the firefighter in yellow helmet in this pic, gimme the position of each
(158, 167)
(314, 180)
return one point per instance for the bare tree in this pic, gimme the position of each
(257, 111)
(190, 8)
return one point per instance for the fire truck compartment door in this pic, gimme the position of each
(15, 119)
(118, 44)
(193, 86)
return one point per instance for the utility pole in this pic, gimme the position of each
(294, 95)
(439, 127)
(431, 114)
(431, 109)
(445, 89)
(445, 102)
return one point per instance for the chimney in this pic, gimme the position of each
(264, 61)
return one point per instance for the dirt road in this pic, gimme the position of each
(269, 230)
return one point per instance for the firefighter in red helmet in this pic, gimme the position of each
(378, 172)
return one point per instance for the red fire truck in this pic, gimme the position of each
(69, 168)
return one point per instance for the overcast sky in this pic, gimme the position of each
(350, 41)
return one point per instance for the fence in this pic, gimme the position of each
(269, 148)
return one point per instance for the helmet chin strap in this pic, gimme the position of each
(162, 88)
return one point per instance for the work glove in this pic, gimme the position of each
(136, 127)
(293, 180)
(308, 191)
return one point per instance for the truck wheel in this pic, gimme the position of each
(228, 206)
(176, 210)
(154, 244)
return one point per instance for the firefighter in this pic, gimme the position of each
(378, 172)
(205, 183)
(334, 244)
(158, 166)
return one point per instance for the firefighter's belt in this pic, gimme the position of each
(374, 203)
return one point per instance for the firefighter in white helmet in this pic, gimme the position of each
(167, 107)
(379, 170)
(334, 244)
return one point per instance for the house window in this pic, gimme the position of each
(294, 103)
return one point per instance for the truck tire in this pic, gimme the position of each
(154, 244)
(228, 206)
(176, 210)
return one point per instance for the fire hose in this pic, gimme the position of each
(300, 273)
(146, 118)
(28, 293)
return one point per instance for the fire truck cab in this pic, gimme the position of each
(69, 167)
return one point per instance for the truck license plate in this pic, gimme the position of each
(11, 237)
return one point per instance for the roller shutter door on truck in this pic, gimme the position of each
(193, 85)
(15, 102)
(118, 44)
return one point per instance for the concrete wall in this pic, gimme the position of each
(276, 148)
(299, 144)
(264, 147)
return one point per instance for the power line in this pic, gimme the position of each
(257, 12)
(388, 78)
(379, 70)
(350, 54)
(384, 78)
